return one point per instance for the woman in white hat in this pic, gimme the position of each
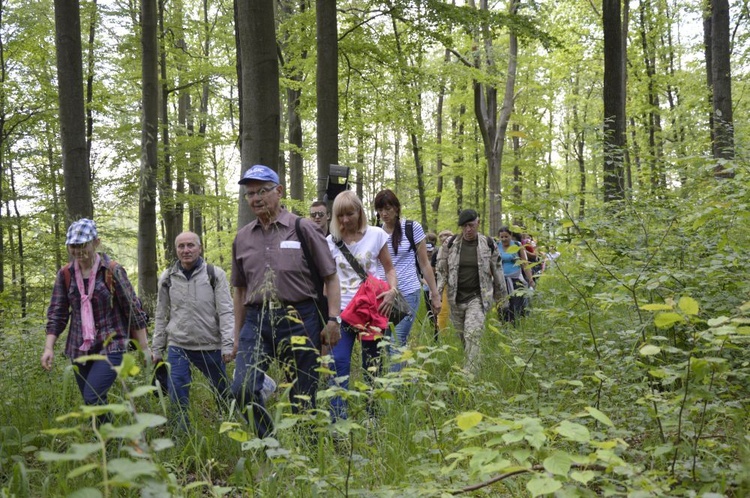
(94, 293)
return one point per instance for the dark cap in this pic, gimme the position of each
(259, 173)
(466, 216)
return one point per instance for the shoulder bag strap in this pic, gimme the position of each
(352, 261)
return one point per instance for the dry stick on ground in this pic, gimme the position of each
(535, 468)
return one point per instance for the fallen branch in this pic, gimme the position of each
(534, 468)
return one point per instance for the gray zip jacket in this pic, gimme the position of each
(190, 314)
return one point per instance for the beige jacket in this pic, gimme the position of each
(191, 314)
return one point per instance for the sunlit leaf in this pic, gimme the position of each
(598, 415)
(226, 426)
(656, 307)
(688, 305)
(543, 485)
(467, 420)
(666, 320)
(649, 350)
(573, 431)
(719, 320)
(141, 391)
(298, 340)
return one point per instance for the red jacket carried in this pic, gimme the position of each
(362, 311)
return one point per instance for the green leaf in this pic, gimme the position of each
(688, 305)
(79, 471)
(141, 391)
(649, 350)
(666, 320)
(601, 417)
(583, 476)
(558, 463)
(86, 493)
(543, 485)
(719, 320)
(161, 444)
(573, 431)
(656, 307)
(130, 470)
(76, 453)
(512, 249)
(467, 420)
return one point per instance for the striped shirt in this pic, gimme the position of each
(404, 262)
(115, 316)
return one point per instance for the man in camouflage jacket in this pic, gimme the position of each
(468, 264)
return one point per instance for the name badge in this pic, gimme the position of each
(290, 244)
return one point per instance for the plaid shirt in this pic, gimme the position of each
(115, 316)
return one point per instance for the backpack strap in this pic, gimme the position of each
(413, 246)
(108, 275)
(211, 275)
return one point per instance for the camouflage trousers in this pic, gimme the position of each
(468, 320)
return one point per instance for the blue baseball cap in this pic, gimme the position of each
(260, 173)
(81, 232)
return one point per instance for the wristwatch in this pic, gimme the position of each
(336, 319)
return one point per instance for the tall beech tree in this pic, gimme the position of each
(327, 88)
(147, 269)
(721, 78)
(259, 97)
(614, 102)
(72, 114)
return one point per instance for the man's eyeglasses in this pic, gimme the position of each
(317, 214)
(260, 193)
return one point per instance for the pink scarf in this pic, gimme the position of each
(87, 310)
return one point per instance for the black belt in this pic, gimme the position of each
(275, 305)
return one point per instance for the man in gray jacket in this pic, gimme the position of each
(194, 323)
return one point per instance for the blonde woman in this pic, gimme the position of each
(367, 244)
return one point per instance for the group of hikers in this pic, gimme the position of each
(305, 288)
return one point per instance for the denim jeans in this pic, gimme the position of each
(209, 363)
(265, 335)
(403, 329)
(94, 378)
(342, 365)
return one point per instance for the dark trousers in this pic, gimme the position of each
(94, 378)
(431, 314)
(268, 334)
(209, 363)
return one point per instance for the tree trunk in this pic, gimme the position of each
(723, 144)
(147, 269)
(327, 91)
(166, 190)
(493, 128)
(72, 115)
(614, 100)
(90, 80)
(23, 297)
(260, 116)
(439, 144)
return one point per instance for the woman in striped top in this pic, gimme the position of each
(403, 253)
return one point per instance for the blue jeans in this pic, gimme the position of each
(94, 378)
(403, 329)
(209, 363)
(267, 334)
(342, 365)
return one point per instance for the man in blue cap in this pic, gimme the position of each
(279, 262)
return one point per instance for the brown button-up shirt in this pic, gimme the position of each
(271, 265)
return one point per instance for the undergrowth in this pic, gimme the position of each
(628, 377)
